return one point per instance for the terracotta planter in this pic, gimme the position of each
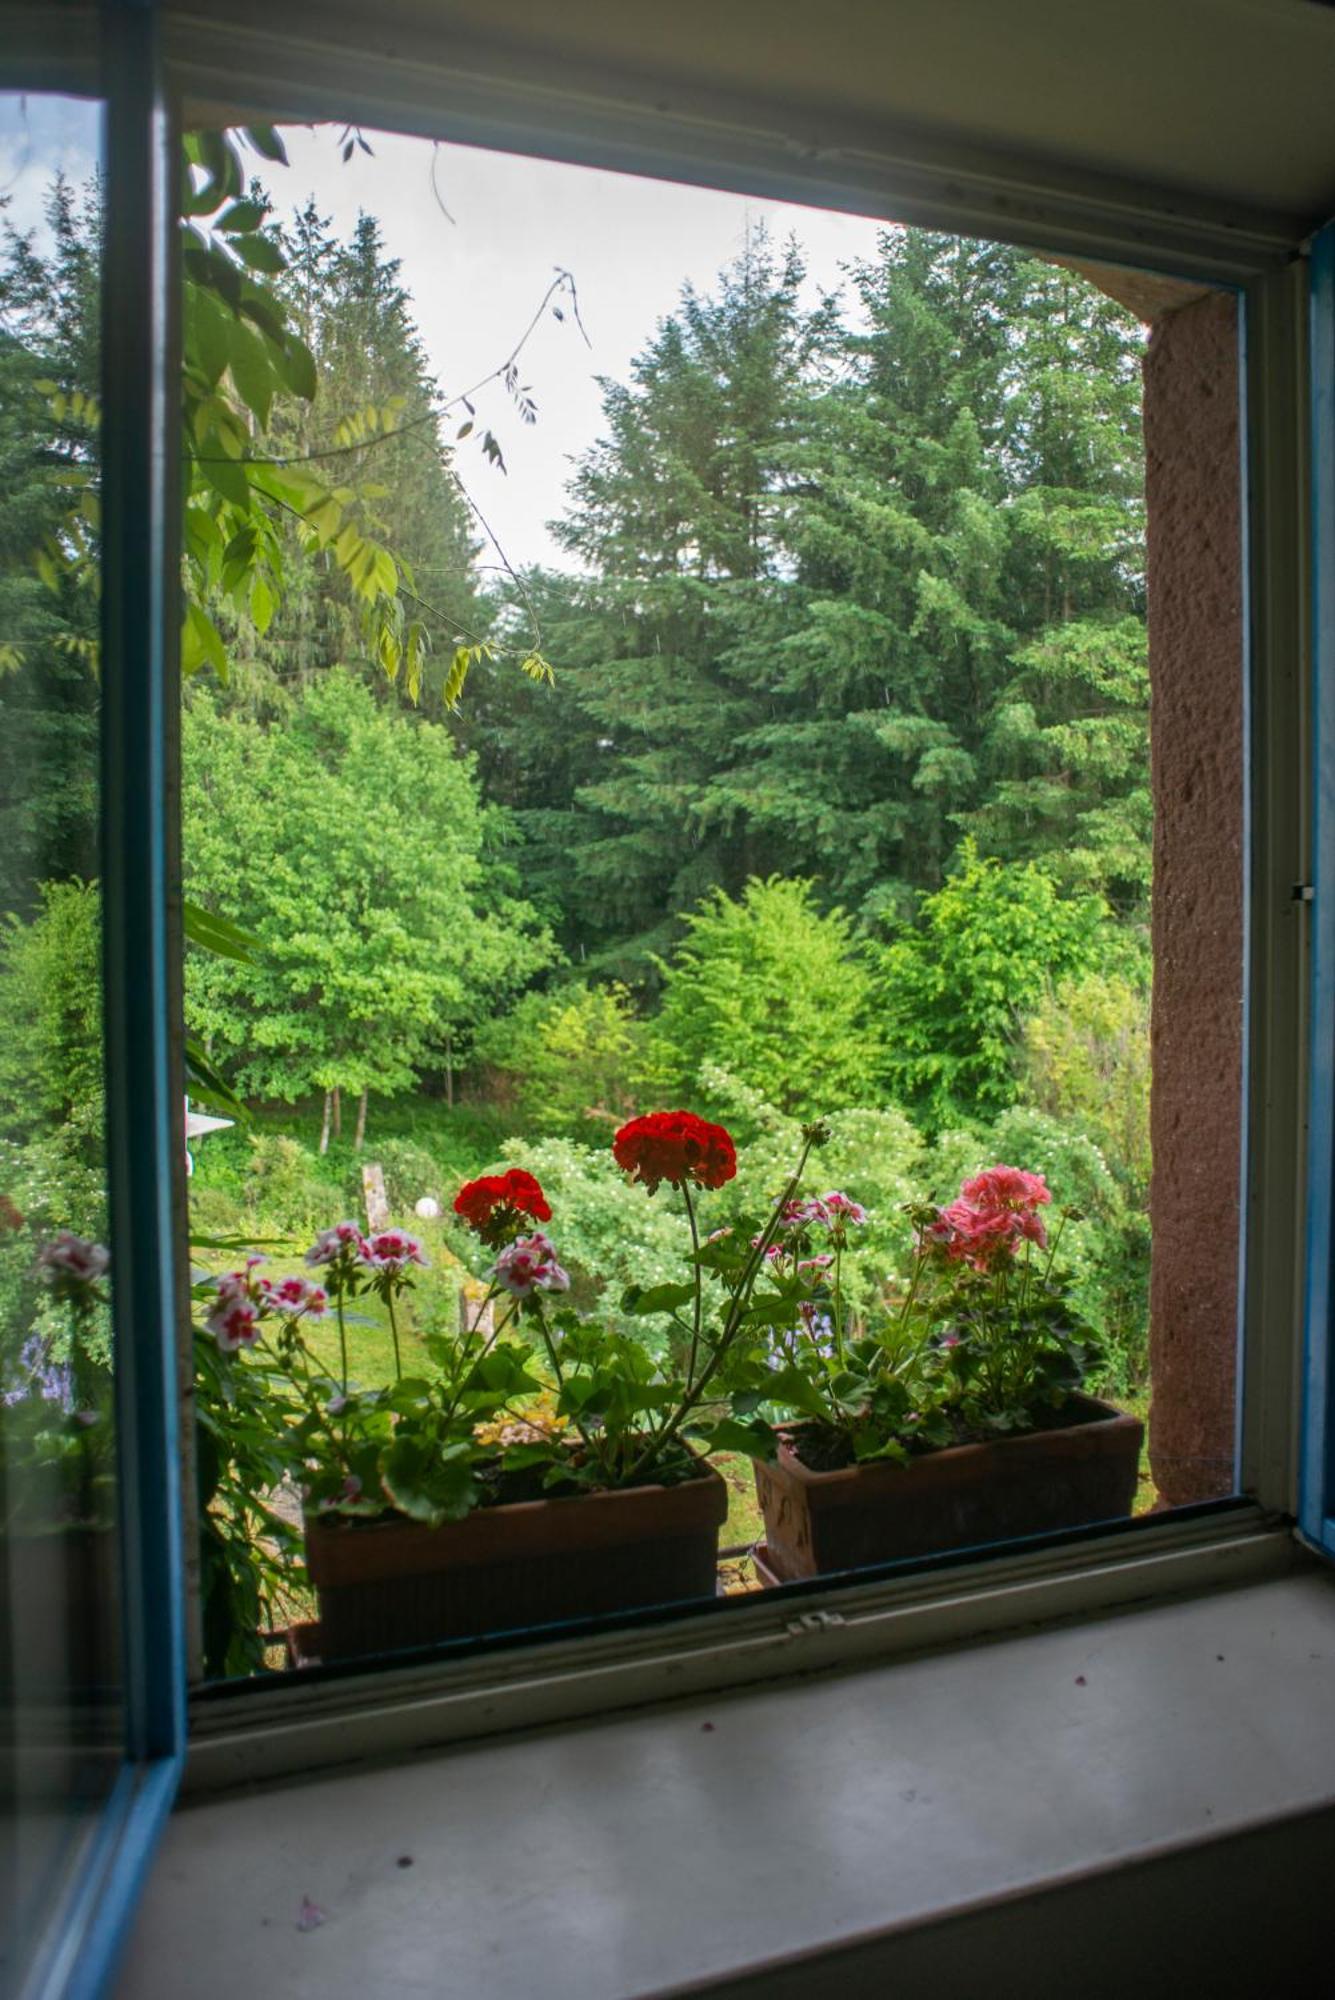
(388, 1584)
(818, 1522)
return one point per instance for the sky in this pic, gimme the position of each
(475, 282)
(477, 273)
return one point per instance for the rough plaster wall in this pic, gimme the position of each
(1195, 625)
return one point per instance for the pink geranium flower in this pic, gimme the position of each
(391, 1252)
(842, 1208)
(71, 1261)
(294, 1298)
(344, 1239)
(529, 1265)
(234, 1324)
(242, 1284)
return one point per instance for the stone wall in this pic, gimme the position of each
(1193, 493)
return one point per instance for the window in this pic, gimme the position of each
(845, 773)
(139, 862)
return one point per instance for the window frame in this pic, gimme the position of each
(111, 53)
(1316, 1500)
(231, 70)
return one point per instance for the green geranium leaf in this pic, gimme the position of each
(755, 1439)
(427, 1485)
(642, 1299)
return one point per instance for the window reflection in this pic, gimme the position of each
(59, 1645)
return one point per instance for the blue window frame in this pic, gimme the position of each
(73, 1939)
(1316, 1510)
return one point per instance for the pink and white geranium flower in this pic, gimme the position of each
(294, 1298)
(841, 1209)
(529, 1265)
(343, 1240)
(234, 1324)
(72, 1262)
(391, 1252)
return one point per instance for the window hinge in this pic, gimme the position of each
(1304, 892)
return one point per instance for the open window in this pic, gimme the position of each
(798, 771)
(780, 554)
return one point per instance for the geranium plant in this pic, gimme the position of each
(982, 1338)
(631, 1419)
(527, 1397)
(58, 1398)
(987, 1283)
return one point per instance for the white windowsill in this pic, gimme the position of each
(605, 1860)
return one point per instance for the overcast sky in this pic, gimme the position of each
(476, 280)
(630, 245)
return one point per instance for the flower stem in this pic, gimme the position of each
(342, 1341)
(394, 1332)
(698, 1301)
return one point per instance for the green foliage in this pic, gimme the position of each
(284, 1185)
(857, 580)
(250, 1552)
(410, 1171)
(1085, 1060)
(574, 1059)
(48, 613)
(953, 987)
(780, 991)
(51, 1097)
(351, 843)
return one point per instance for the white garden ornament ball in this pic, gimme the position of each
(428, 1208)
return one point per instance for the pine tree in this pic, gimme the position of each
(678, 514)
(855, 588)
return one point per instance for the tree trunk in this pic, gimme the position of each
(338, 1112)
(324, 1129)
(361, 1121)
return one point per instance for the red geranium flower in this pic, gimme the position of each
(494, 1204)
(675, 1146)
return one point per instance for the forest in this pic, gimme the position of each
(815, 781)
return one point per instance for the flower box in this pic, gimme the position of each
(388, 1584)
(965, 1495)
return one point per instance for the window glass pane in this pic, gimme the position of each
(59, 1642)
(752, 714)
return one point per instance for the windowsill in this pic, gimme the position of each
(684, 1844)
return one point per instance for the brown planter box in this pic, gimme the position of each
(388, 1584)
(818, 1522)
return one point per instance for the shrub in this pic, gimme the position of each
(1085, 1059)
(982, 953)
(285, 1187)
(778, 991)
(577, 1060)
(410, 1171)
